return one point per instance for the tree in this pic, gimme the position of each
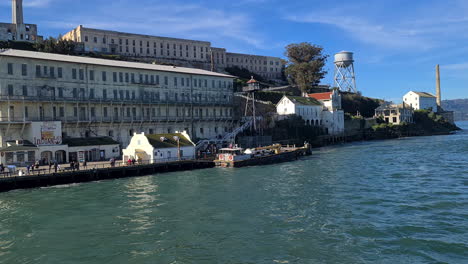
(52, 45)
(305, 66)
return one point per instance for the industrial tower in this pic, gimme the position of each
(345, 78)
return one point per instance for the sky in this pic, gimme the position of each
(396, 43)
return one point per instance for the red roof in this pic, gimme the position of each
(252, 80)
(321, 96)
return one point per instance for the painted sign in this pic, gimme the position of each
(46, 133)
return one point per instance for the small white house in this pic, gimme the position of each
(160, 147)
(421, 100)
(326, 113)
(308, 108)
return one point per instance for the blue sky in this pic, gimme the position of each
(396, 43)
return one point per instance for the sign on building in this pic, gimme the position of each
(46, 133)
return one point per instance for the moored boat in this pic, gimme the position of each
(237, 157)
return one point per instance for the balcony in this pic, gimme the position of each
(81, 99)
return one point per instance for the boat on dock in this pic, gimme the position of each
(235, 157)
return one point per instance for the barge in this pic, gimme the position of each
(237, 157)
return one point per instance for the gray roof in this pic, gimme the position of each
(424, 94)
(303, 100)
(110, 63)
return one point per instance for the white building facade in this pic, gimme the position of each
(105, 98)
(315, 112)
(421, 100)
(184, 52)
(160, 147)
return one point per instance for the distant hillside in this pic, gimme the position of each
(459, 106)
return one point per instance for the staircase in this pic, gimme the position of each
(229, 137)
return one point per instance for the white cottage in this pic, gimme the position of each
(160, 147)
(421, 100)
(308, 108)
(325, 111)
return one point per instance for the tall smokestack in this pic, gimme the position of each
(439, 97)
(17, 12)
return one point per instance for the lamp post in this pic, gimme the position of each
(176, 138)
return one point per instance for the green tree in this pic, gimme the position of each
(59, 46)
(305, 65)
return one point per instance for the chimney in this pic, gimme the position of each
(439, 97)
(17, 12)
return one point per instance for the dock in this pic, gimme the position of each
(97, 174)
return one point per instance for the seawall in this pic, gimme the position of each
(52, 179)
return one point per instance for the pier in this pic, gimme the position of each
(9, 183)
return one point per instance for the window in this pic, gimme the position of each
(132, 77)
(93, 112)
(60, 72)
(175, 81)
(25, 90)
(120, 76)
(104, 94)
(86, 38)
(91, 75)
(62, 111)
(60, 92)
(114, 75)
(157, 79)
(104, 76)
(81, 74)
(111, 133)
(91, 93)
(26, 112)
(74, 74)
(127, 77)
(24, 69)
(52, 72)
(166, 80)
(10, 90)
(95, 39)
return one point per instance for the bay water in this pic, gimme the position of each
(392, 201)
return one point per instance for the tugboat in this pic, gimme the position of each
(235, 157)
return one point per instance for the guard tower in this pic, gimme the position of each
(252, 87)
(345, 78)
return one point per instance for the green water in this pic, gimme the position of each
(395, 201)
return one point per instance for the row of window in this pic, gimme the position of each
(80, 93)
(130, 112)
(254, 68)
(148, 44)
(120, 77)
(252, 61)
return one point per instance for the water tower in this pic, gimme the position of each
(344, 78)
(252, 87)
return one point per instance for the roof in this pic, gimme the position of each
(17, 148)
(321, 96)
(252, 80)
(92, 141)
(424, 94)
(303, 100)
(169, 142)
(104, 62)
(26, 145)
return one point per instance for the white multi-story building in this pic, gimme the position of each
(270, 68)
(184, 52)
(325, 112)
(421, 100)
(95, 98)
